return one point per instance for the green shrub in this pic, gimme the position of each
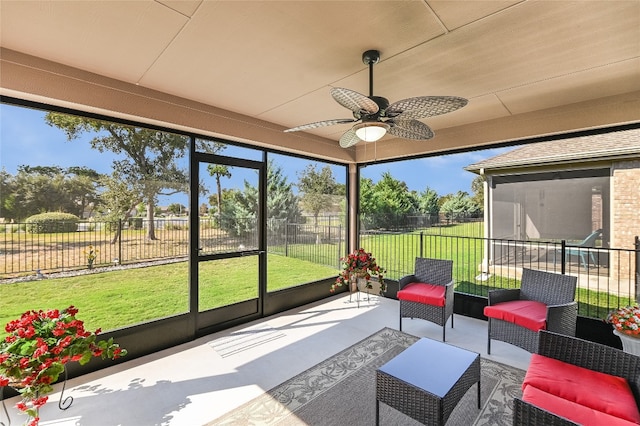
(48, 223)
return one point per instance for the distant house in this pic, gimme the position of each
(565, 190)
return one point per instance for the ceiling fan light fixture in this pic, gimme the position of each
(371, 131)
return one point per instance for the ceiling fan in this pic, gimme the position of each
(377, 117)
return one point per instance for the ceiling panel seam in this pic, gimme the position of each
(176, 10)
(491, 15)
(175, 36)
(546, 79)
(437, 17)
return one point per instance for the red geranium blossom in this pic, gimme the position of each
(39, 344)
(359, 264)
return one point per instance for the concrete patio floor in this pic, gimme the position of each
(197, 382)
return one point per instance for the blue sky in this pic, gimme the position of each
(26, 139)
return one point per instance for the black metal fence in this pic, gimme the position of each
(94, 244)
(441, 223)
(607, 277)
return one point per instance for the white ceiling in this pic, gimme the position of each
(277, 60)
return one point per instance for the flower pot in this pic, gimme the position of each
(630, 344)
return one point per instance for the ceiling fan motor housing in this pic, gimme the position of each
(383, 104)
(371, 57)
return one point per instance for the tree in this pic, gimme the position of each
(459, 204)
(82, 186)
(150, 156)
(367, 202)
(8, 194)
(477, 187)
(239, 216)
(240, 207)
(428, 202)
(218, 171)
(282, 203)
(176, 208)
(118, 198)
(42, 189)
(318, 189)
(386, 201)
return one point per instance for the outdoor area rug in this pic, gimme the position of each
(341, 391)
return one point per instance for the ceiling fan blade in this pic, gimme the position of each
(354, 101)
(410, 129)
(424, 106)
(320, 124)
(349, 139)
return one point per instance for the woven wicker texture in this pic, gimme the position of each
(420, 404)
(436, 272)
(555, 290)
(582, 353)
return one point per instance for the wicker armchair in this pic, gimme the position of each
(428, 293)
(582, 353)
(559, 315)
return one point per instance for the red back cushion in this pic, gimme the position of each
(525, 313)
(429, 294)
(600, 391)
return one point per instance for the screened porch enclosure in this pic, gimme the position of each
(550, 207)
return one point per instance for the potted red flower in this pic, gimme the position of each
(38, 346)
(626, 325)
(359, 264)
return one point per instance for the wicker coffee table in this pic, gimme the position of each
(427, 380)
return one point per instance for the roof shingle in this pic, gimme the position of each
(624, 143)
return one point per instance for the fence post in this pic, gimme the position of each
(120, 242)
(286, 239)
(62, 256)
(563, 247)
(421, 241)
(637, 247)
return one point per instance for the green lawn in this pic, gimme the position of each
(397, 252)
(127, 297)
(122, 298)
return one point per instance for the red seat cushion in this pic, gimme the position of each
(599, 391)
(525, 313)
(428, 294)
(570, 410)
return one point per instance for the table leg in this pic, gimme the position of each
(479, 406)
(377, 412)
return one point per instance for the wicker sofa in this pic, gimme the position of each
(573, 381)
